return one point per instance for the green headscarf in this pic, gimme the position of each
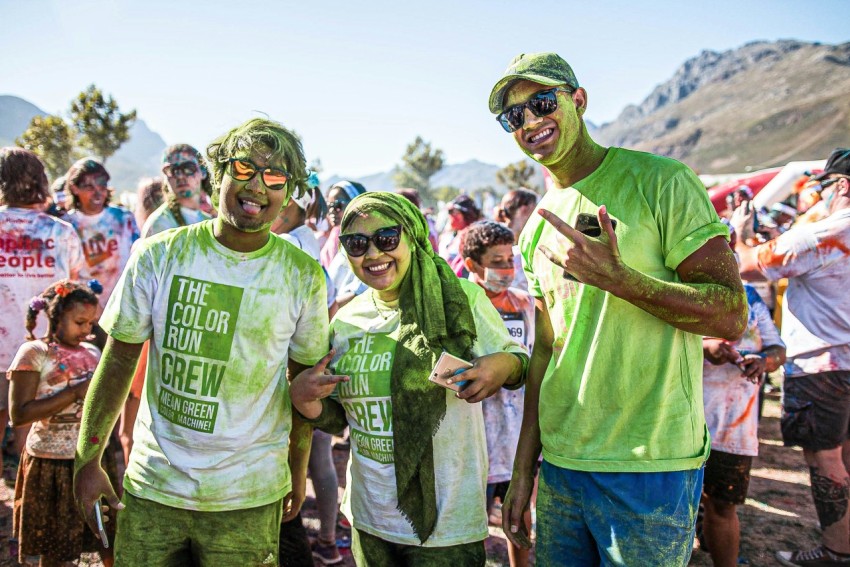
(435, 316)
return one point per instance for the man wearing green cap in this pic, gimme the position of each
(614, 395)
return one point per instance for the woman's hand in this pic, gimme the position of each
(487, 375)
(308, 388)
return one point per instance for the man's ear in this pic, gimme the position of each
(580, 98)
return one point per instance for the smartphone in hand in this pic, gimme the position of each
(589, 225)
(448, 366)
(98, 516)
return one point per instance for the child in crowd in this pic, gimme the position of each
(49, 379)
(487, 251)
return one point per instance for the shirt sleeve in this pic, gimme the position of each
(310, 341)
(792, 254)
(127, 315)
(492, 335)
(30, 357)
(76, 260)
(687, 218)
(767, 330)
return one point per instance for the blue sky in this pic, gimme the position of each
(359, 80)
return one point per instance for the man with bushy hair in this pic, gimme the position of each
(231, 311)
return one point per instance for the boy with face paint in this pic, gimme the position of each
(815, 257)
(231, 311)
(614, 388)
(187, 180)
(487, 251)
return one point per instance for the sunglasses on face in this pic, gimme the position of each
(92, 185)
(187, 168)
(824, 184)
(338, 205)
(540, 104)
(385, 239)
(244, 170)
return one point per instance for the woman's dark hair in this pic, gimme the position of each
(411, 195)
(318, 208)
(81, 168)
(150, 194)
(479, 236)
(467, 207)
(56, 300)
(22, 178)
(519, 198)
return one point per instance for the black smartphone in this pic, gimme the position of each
(589, 224)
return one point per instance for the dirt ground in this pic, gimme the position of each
(777, 515)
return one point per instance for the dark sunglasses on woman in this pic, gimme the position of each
(540, 104)
(386, 240)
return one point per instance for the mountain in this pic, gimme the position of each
(138, 157)
(757, 106)
(468, 176)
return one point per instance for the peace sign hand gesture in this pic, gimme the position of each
(308, 388)
(592, 261)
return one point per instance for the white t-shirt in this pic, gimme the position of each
(213, 427)
(163, 219)
(731, 402)
(816, 309)
(365, 343)
(303, 238)
(36, 250)
(59, 367)
(107, 238)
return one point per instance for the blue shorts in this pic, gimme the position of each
(591, 518)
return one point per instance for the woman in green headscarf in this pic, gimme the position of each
(418, 471)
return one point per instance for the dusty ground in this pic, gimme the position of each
(778, 515)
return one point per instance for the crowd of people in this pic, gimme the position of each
(583, 368)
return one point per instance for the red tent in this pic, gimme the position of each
(754, 181)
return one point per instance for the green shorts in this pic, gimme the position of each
(156, 535)
(372, 551)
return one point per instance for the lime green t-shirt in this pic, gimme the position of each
(212, 431)
(623, 390)
(364, 334)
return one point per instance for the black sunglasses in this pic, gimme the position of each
(187, 168)
(540, 104)
(338, 205)
(386, 240)
(242, 169)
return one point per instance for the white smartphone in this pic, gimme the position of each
(98, 515)
(448, 366)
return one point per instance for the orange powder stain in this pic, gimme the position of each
(768, 257)
(833, 243)
(744, 415)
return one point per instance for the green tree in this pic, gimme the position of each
(445, 194)
(52, 140)
(515, 175)
(419, 163)
(101, 126)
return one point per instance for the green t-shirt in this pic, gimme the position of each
(364, 334)
(623, 391)
(212, 431)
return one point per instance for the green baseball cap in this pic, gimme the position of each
(545, 68)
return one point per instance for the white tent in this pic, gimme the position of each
(780, 187)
